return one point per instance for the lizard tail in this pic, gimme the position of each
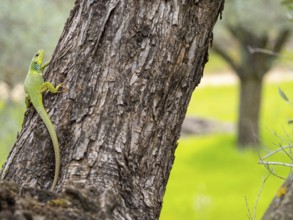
(46, 119)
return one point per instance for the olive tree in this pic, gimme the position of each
(257, 39)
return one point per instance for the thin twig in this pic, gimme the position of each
(289, 138)
(257, 200)
(276, 151)
(276, 163)
(248, 209)
(286, 153)
(259, 193)
(267, 166)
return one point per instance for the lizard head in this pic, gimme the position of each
(37, 60)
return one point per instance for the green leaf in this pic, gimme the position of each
(283, 95)
(287, 2)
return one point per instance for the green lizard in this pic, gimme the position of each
(34, 87)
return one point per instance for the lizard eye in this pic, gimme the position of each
(37, 55)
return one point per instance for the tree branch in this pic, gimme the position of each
(223, 53)
(281, 40)
(278, 150)
(276, 163)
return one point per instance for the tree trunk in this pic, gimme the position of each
(129, 68)
(282, 205)
(249, 109)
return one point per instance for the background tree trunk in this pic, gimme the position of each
(249, 107)
(130, 68)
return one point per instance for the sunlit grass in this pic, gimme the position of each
(11, 116)
(211, 177)
(214, 102)
(217, 65)
(210, 180)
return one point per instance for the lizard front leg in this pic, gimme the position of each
(44, 66)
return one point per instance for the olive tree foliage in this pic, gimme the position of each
(289, 5)
(250, 39)
(27, 26)
(258, 16)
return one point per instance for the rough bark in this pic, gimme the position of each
(281, 208)
(257, 55)
(22, 203)
(129, 68)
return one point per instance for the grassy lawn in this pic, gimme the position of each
(11, 117)
(210, 177)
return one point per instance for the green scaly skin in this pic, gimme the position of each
(34, 87)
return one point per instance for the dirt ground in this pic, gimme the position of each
(230, 78)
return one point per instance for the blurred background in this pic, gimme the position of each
(236, 114)
(25, 27)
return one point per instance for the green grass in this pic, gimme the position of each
(217, 65)
(210, 177)
(214, 102)
(11, 117)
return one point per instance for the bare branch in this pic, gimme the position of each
(253, 50)
(267, 166)
(276, 163)
(276, 151)
(248, 209)
(257, 200)
(288, 154)
(259, 193)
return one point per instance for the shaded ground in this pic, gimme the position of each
(200, 126)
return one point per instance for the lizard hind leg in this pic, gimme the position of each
(27, 100)
(47, 86)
